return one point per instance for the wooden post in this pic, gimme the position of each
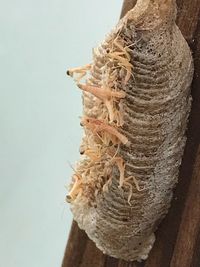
(178, 237)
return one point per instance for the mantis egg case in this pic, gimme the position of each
(136, 102)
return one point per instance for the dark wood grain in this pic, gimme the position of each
(189, 227)
(178, 237)
(76, 247)
(127, 5)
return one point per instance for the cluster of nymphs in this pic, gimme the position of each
(102, 119)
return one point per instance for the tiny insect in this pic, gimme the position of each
(79, 72)
(97, 126)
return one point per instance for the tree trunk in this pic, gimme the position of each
(178, 237)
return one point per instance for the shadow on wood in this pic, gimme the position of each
(178, 237)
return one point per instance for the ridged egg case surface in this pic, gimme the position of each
(127, 190)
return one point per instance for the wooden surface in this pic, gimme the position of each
(178, 237)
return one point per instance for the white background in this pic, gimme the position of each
(39, 120)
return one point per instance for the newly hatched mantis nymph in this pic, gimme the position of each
(122, 57)
(101, 92)
(95, 153)
(127, 183)
(97, 126)
(106, 94)
(79, 72)
(76, 188)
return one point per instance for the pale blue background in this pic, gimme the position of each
(39, 124)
